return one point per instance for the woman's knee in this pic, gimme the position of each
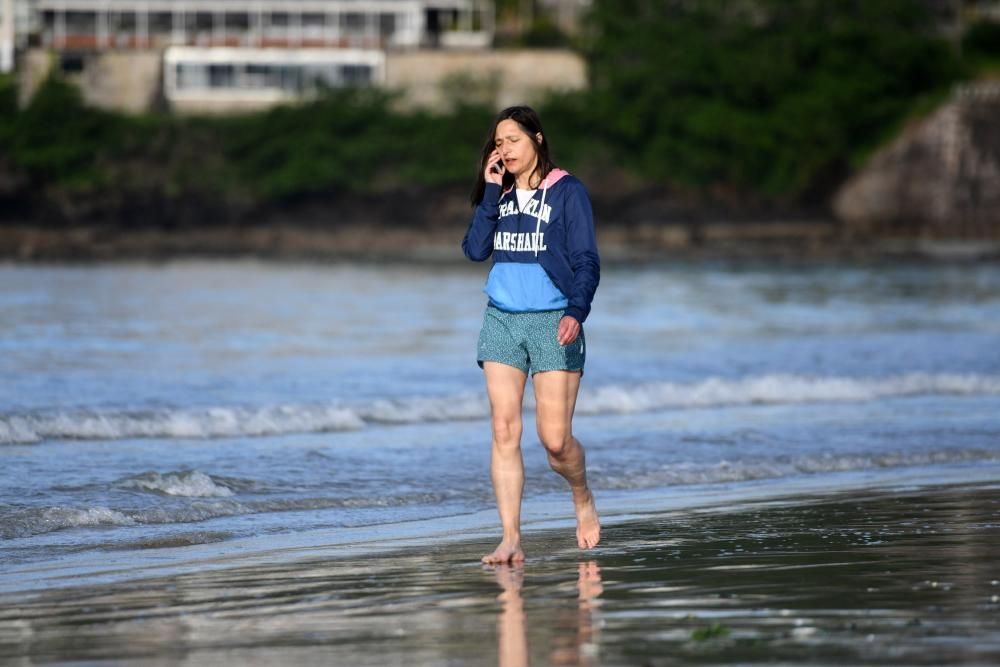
(507, 430)
(556, 440)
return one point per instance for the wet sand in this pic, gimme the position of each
(906, 577)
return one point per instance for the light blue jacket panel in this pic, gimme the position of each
(520, 288)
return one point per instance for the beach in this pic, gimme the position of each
(288, 463)
(904, 576)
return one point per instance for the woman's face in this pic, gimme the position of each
(516, 148)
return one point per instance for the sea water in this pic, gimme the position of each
(184, 403)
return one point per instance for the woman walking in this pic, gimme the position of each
(536, 222)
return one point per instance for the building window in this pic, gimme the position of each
(353, 23)
(124, 21)
(161, 23)
(191, 76)
(355, 75)
(81, 23)
(237, 21)
(386, 25)
(221, 76)
(292, 79)
(203, 22)
(257, 77)
(314, 21)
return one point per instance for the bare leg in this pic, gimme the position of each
(505, 387)
(555, 398)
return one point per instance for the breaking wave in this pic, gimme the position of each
(187, 483)
(234, 421)
(29, 521)
(25, 522)
(726, 471)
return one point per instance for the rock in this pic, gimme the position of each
(939, 179)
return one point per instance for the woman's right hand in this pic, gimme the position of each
(494, 170)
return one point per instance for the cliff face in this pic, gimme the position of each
(939, 179)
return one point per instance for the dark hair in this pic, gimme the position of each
(527, 118)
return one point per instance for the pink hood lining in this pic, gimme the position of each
(554, 176)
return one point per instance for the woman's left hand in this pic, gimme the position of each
(569, 329)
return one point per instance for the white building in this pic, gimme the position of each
(231, 54)
(17, 23)
(106, 24)
(207, 78)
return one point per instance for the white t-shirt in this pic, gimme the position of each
(523, 197)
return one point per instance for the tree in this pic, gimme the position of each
(774, 97)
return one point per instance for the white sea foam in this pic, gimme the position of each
(776, 389)
(426, 409)
(724, 471)
(36, 520)
(189, 483)
(217, 422)
(224, 421)
(28, 521)
(25, 522)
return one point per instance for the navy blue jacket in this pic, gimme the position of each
(556, 230)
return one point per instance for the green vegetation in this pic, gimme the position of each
(772, 97)
(709, 632)
(350, 141)
(57, 138)
(345, 141)
(981, 46)
(528, 24)
(769, 101)
(8, 95)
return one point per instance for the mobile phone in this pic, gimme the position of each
(497, 166)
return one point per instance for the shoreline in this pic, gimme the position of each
(644, 242)
(879, 576)
(549, 516)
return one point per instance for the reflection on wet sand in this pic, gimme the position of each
(580, 647)
(512, 635)
(575, 641)
(874, 579)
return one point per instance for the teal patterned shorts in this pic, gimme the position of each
(528, 341)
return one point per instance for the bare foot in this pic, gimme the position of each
(588, 528)
(507, 552)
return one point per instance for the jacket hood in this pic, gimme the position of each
(554, 177)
